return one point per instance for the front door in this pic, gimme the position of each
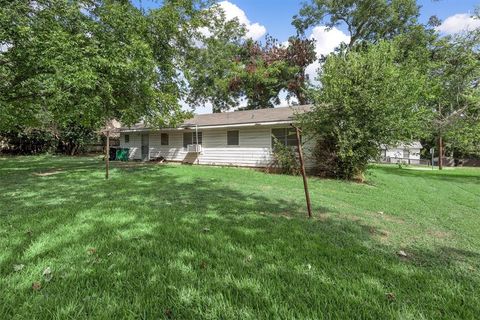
(145, 147)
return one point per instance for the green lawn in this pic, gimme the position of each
(191, 242)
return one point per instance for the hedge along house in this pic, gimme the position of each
(239, 138)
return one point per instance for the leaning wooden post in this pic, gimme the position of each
(107, 156)
(302, 167)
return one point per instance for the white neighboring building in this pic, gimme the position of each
(408, 153)
(239, 138)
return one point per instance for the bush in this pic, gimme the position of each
(285, 159)
(334, 161)
(28, 141)
(69, 139)
(367, 99)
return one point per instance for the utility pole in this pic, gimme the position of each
(302, 166)
(107, 156)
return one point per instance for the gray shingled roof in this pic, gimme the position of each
(240, 117)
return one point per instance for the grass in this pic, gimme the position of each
(191, 242)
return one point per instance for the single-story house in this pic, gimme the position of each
(239, 138)
(408, 153)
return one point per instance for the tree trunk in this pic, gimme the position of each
(302, 100)
(440, 152)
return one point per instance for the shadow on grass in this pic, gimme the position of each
(154, 243)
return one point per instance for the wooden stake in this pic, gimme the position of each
(107, 157)
(440, 152)
(302, 166)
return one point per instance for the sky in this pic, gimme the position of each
(274, 17)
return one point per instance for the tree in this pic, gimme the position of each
(263, 71)
(223, 67)
(454, 92)
(229, 69)
(90, 61)
(368, 98)
(366, 20)
(210, 63)
(300, 53)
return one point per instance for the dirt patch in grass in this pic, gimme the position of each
(349, 217)
(439, 234)
(46, 174)
(383, 234)
(322, 217)
(386, 217)
(286, 215)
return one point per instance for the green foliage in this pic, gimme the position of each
(70, 138)
(28, 141)
(366, 20)
(91, 61)
(73, 138)
(368, 98)
(267, 70)
(285, 159)
(454, 91)
(225, 68)
(210, 63)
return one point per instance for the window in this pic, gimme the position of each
(406, 154)
(285, 136)
(127, 138)
(164, 139)
(190, 138)
(232, 138)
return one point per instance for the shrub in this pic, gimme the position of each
(285, 159)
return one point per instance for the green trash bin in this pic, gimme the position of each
(122, 154)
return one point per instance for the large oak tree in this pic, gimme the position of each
(90, 61)
(365, 20)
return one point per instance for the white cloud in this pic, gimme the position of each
(459, 22)
(326, 40)
(202, 109)
(254, 30)
(284, 102)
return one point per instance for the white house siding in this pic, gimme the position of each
(396, 155)
(134, 145)
(254, 149)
